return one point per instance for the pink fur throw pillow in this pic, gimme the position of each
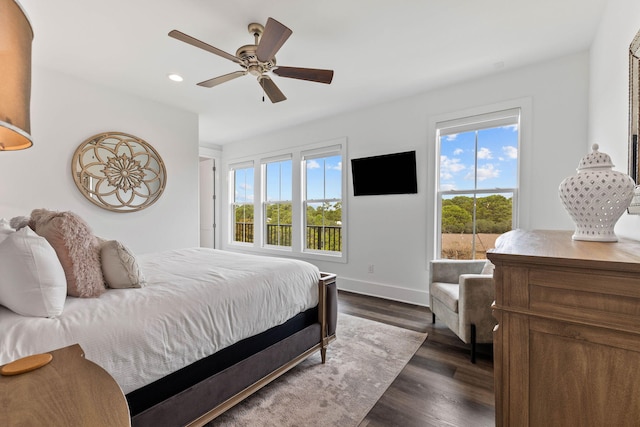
(77, 248)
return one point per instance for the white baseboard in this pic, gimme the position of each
(382, 290)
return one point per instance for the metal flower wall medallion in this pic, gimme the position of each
(118, 172)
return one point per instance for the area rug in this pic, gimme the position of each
(361, 364)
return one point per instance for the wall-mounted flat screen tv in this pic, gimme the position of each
(386, 174)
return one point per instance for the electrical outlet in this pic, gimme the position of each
(370, 268)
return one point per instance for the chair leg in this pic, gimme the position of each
(473, 343)
(433, 318)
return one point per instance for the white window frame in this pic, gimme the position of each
(264, 162)
(336, 146)
(324, 152)
(467, 123)
(232, 201)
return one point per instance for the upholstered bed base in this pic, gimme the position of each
(201, 392)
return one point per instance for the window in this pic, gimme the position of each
(277, 213)
(323, 202)
(299, 210)
(242, 205)
(478, 182)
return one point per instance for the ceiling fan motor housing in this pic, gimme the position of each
(247, 54)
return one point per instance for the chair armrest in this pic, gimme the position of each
(473, 285)
(449, 270)
(476, 296)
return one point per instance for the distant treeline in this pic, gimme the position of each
(493, 214)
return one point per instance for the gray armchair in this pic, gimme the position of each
(461, 296)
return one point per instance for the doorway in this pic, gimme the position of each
(207, 202)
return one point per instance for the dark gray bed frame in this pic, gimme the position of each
(209, 398)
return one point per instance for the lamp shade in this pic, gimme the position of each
(16, 36)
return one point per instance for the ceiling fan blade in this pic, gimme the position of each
(271, 89)
(273, 37)
(202, 45)
(221, 79)
(309, 74)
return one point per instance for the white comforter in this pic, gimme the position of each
(197, 302)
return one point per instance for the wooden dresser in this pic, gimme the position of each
(567, 343)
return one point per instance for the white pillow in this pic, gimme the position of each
(32, 281)
(5, 229)
(488, 268)
(119, 266)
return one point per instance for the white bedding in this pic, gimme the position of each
(197, 302)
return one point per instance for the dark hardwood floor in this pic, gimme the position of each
(439, 386)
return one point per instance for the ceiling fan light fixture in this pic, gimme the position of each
(175, 77)
(255, 70)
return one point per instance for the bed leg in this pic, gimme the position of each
(326, 280)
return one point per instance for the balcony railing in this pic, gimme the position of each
(323, 238)
(243, 232)
(279, 235)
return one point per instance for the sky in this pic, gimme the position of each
(324, 180)
(497, 159)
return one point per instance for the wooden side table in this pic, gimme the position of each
(69, 391)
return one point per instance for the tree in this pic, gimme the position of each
(493, 214)
(495, 208)
(327, 214)
(244, 213)
(454, 219)
(279, 213)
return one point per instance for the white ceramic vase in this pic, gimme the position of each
(596, 197)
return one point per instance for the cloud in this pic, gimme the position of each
(484, 153)
(485, 172)
(337, 167)
(312, 164)
(449, 167)
(510, 151)
(458, 151)
(242, 196)
(514, 128)
(447, 187)
(451, 137)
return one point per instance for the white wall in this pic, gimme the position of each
(64, 113)
(609, 91)
(395, 233)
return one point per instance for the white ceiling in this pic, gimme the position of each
(379, 49)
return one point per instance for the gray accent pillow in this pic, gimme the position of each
(119, 266)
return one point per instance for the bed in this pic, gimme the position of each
(207, 329)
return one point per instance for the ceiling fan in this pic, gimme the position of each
(259, 58)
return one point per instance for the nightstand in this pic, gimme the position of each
(69, 391)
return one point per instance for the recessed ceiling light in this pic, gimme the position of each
(175, 77)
